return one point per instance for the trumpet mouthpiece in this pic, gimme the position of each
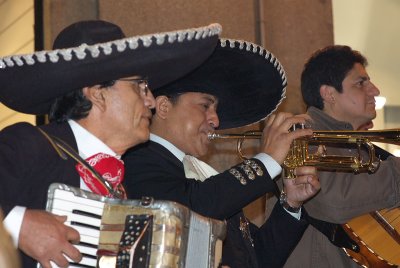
(212, 136)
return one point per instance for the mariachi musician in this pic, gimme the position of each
(94, 87)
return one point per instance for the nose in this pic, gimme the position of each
(149, 100)
(374, 91)
(213, 119)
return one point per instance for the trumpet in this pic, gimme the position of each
(299, 154)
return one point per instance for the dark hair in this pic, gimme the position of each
(327, 66)
(174, 97)
(73, 105)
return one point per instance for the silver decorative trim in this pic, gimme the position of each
(247, 170)
(181, 37)
(17, 60)
(238, 176)
(146, 41)
(190, 35)
(198, 35)
(106, 48)
(160, 39)
(66, 54)
(121, 45)
(254, 166)
(133, 43)
(171, 38)
(41, 56)
(94, 52)
(9, 62)
(80, 51)
(272, 59)
(222, 42)
(53, 56)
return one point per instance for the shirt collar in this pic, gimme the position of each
(169, 146)
(88, 144)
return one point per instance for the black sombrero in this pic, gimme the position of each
(248, 80)
(90, 52)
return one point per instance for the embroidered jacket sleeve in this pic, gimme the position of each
(151, 170)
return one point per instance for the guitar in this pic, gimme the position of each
(377, 235)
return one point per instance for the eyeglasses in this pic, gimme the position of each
(142, 84)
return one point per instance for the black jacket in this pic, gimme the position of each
(151, 170)
(29, 164)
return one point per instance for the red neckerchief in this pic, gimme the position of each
(109, 167)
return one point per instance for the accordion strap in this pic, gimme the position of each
(62, 148)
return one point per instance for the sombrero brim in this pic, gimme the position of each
(248, 80)
(30, 83)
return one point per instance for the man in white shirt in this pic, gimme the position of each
(94, 86)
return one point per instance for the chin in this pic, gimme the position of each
(141, 137)
(372, 117)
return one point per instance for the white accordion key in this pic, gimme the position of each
(75, 216)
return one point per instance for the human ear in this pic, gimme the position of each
(96, 95)
(327, 94)
(163, 105)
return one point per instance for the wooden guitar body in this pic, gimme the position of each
(379, 248)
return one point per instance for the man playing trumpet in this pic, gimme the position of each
(220, 94)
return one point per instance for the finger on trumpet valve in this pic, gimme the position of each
(297, 126)
(300, 126)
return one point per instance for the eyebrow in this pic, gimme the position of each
(211, 99)
(361, 76)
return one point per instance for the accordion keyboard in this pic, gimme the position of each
(84, 215)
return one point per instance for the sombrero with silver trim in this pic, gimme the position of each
(90, 52)
(247, 79)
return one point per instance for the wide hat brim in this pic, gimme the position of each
(248, 81)
(30, 83)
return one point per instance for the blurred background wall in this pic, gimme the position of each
(16, 37)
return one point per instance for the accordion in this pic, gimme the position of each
(137, 233)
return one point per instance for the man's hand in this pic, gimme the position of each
(277, 138)
(46, 238)
(304, 186)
